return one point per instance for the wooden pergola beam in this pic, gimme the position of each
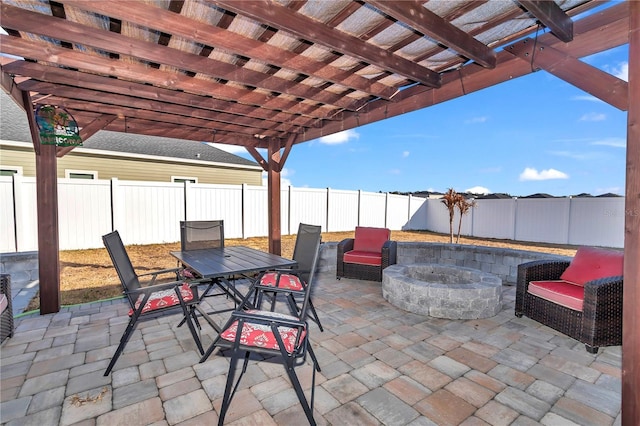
(306, 28)
(437, 28)
(552, 17)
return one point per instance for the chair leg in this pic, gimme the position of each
(123, 342)
(295, 310)
(188, 312)
(230, 388)
(308, 409)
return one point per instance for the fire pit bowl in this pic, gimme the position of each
(442, 291)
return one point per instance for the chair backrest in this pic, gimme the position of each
(121, 261)
(306, 253)
(201, 234)
(370, 239)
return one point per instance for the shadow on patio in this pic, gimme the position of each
(380, 365)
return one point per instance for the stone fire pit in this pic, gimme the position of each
(442, 291)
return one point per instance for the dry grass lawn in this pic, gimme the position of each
(88, 275)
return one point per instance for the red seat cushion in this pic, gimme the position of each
(561, 292)
(287, 281)
(261, 335)
(164, 299)
(370, 239)
(591, 263)
(363, 257)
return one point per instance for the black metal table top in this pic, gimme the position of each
(227, 261)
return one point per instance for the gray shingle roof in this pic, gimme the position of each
(14, 127)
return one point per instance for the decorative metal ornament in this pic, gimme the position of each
(57, 126)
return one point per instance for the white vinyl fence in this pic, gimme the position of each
(150, 212)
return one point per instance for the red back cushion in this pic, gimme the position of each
(370, 239)
(592, 263)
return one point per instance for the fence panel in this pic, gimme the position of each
(397, 211)
(417, 214)
(597, 221)
(151, 211)
(493, 218)
(308, 205)
(256, 223)
(84, 212)
(7, 222)
(216, 202)
(373, 209)
(343, 210)
(542, 219)
(437, 216)
(26, 213)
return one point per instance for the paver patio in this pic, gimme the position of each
(380, 365)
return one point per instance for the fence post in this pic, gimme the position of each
(359, 204)
(116, 204)
(243, 196)
(328, 206)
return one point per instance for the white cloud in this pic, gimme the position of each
(530, 173)
(284, 182)
(621, 71)
(593, 116)
(613, 142)
(395, 171)
(589, 98)
(476, 120)
(405, 154)
(340, 137)
(578, 155)
(478, 190)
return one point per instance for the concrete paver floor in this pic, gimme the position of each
(380, 365)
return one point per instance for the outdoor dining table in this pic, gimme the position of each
(222, 263)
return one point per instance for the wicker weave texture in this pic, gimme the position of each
(364, 272)
(6, 321)
(599, 323)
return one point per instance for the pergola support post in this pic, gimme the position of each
(631, 310)
(47, 206)
(274, 194)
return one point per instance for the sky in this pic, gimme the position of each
(534, 134)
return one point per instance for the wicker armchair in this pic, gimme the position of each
(367, 254)
(6, 320)
(597, 323)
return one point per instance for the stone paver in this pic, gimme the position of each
(380, 366)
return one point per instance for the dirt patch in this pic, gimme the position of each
(88, 275)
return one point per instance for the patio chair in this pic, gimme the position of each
(274, 335)
(6, 307)
(581, 298)
(292, 282)
(205, 234)
(365, 256)
(153, 298)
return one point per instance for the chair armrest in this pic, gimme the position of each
(538, 270)
(389, 253)
(603, 295)
(344, 246)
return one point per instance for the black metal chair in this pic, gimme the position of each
(153, 298)
(292, 282)
(277, 336)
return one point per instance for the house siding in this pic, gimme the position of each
(134, 168)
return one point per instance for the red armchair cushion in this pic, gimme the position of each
(592, 263)
(363, 257)
(561, 292)
(164, 299)
(370, 239)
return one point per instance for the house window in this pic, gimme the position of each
(10, 170)
(182, 179)
(80, 174)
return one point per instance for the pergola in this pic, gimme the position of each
(275, 73)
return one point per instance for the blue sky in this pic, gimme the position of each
(534, 134)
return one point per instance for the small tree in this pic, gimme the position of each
(463, 207)
(450, 199)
